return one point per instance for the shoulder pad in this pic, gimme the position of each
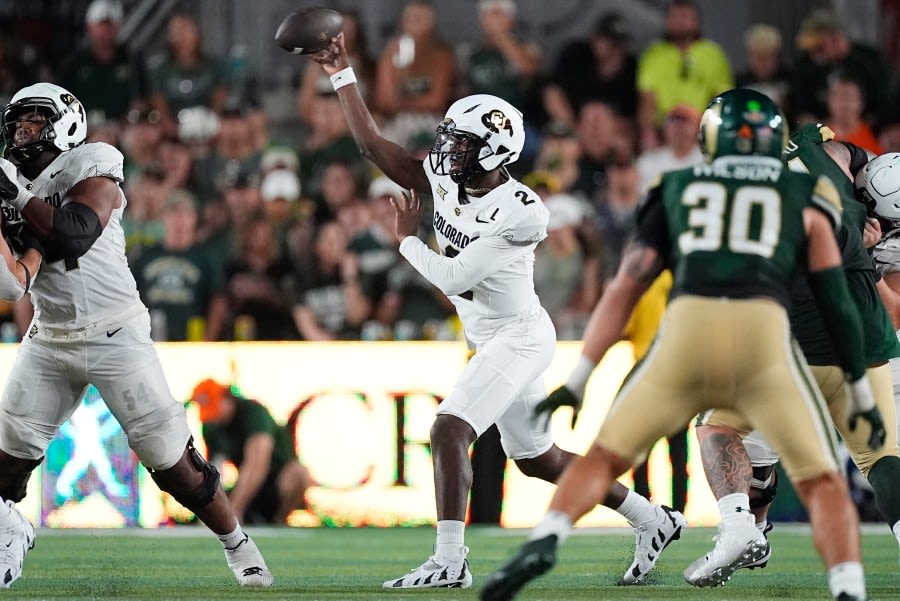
(887, 256)
(97, 159)
(825, 197)
(527, 224)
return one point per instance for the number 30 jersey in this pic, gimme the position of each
(73, 293)
(734, 228)
(486, 260)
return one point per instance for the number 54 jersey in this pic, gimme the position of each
(486, 261)
(734, 228)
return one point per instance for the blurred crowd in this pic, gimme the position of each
(238, 232)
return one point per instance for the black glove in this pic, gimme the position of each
(873, 416)
(21, 238)
(561, 397)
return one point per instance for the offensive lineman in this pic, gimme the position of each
(89, 326)
(487, 225)
(734, 232)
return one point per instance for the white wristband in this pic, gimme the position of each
(342, 78)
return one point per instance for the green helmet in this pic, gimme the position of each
(742, 122)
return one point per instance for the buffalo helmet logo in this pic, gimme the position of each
(495, 120)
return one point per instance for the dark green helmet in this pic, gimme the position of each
(742, 122)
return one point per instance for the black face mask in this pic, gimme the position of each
(461, 148)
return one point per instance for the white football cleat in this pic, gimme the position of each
(651, 538)
(16, 540)
(436, 573)
(737, 546)
(248, 564)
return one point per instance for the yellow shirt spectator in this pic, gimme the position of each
(691, 77)
(644, 322)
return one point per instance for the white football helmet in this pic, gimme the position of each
(878, 186)
(479, 133)
(67, 120)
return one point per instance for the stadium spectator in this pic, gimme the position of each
(271, 480)
(682, 68)
(185, 76)
(176, 162)
(599, 69)
(340, 199)
(765, 70)
(280, 193)
(559, 154)
(233, 154)
(140, 140)
(614, 211)
(242, 201)
(566, 277)
(502, 63)
(596, 131)
(316, 83)
(328, 141)
(680, 148)
(825, 47)
(180, 280)
(142, 222)
(415, 74)
(102, 73)
(329, 302)
(846, 103)
(257, 283)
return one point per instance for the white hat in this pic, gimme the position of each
(279, 156)
(564, 210)
(104, 10)
(280, 183)
(385, 186)
(507, 6)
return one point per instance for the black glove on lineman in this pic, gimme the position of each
(21, 238)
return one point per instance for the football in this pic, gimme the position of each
(309, 31)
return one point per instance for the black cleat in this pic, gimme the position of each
(533, 559)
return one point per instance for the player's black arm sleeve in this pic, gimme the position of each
(841, 318)
(652, 226)
(76, 227)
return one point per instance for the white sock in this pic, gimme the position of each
(554, 522)
(232, 540)
(637, 509)
(577, 381)
(735, 509)
(847, 578)
(451, 536)
(761, 526)
(896, 530)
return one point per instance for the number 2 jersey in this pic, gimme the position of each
(734, 228)
(486, 260)
(74, 293)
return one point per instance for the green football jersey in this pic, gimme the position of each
(805, 153)
(736, 227)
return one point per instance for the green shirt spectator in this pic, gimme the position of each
(271, 481)
(102, 74)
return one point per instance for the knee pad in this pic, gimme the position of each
(15, 478)
(193, 497)
(765, 483)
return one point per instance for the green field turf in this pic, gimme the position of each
(185, 564)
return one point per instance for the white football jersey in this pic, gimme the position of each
(70, 294)
(486, 261)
